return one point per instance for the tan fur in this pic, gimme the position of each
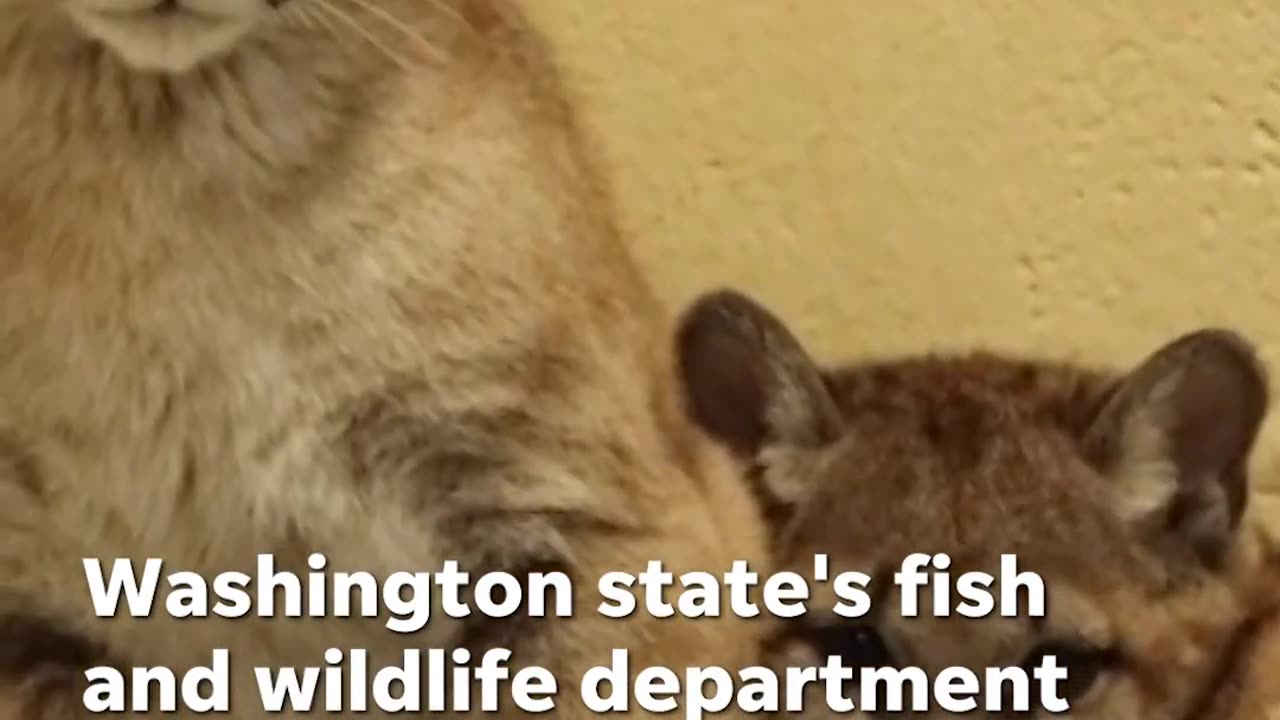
(1074, 470)
(350, 288)
(1262, 687)
(1250, 690)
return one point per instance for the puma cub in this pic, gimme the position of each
(335, 277)
(1123, 491)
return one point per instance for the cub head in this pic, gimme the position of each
(1123, 491)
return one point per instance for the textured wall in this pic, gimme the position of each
(1087, 178)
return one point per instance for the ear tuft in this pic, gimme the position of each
(1177, 434)
(747, 380)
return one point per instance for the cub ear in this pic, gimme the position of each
(748, 382)
(1176, 435)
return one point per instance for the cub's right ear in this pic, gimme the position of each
(749, 382)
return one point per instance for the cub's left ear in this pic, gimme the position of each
(1176, 435)
(751, 385)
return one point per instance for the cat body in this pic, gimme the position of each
(1123, 491)
(300, 281)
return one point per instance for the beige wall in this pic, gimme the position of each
(1089, 178)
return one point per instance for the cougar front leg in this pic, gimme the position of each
(493, 493)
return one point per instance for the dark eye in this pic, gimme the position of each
(858, 646)
(1084, 665)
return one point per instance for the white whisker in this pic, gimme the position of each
(370, 7)
(432, 52)
(312, 17)
(337, 14)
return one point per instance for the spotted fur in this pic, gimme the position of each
(1125, 490)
